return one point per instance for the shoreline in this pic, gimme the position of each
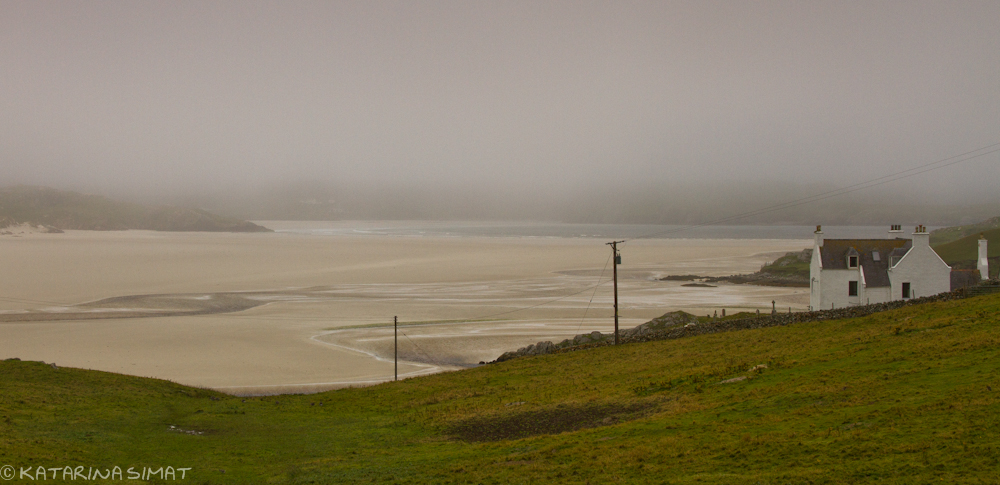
(476, 297)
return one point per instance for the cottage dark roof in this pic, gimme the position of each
(899, 252)
(834, 253)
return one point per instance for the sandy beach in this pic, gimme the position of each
(315, 309)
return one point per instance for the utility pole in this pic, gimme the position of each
(618, 260)
(395, 347)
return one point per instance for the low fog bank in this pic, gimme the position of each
(726, 203)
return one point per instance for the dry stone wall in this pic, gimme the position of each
(680, 324)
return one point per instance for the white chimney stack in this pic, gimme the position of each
(983, 263)
(921, 238)
(819, 236)
(895, 231)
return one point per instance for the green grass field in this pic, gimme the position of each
(907, 396)
(790, 265)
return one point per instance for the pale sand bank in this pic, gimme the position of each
(313, 285)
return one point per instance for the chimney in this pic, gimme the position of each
(895, 231)
(819, 235)
(920, 237)
(982, 263)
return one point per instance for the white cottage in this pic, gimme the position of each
(846, 272)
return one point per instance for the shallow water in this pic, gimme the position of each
(478, 297)
(564, 230)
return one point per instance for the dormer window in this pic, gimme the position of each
(852, 258)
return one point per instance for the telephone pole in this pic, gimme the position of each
(618, 260)
(395, 347)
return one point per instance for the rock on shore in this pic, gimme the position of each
(659, 324)
(790, 270)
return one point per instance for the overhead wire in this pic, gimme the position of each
(885, 179)
(535, 306)
(584, 317)
(866, 184)
(425, 354)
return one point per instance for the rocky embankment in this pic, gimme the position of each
(593, 339)
(790, 270)
(10, 227)
(680, 324)
(761, 279)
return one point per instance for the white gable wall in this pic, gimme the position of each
(829, 288)
(878, 295)
(834, 290)
(926, 272)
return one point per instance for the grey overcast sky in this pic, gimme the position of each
(165, 95)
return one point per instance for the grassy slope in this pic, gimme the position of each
(962, 253)
(790, 265)
(907, 396)
(967, 248)
(948, 234)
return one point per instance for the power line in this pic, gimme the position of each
(584, 317)
(875, 182)
(261, 317)
(538, 305)
(425, 354)
(893, 177)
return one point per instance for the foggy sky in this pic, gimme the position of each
(525, 96)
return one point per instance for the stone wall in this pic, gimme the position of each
(676, 325)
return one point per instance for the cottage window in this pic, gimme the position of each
(852, 262)
(852, 288)
(906, 290)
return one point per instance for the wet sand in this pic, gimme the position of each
(461, 300)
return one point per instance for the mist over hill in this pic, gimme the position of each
(636, 112)
(72, 210)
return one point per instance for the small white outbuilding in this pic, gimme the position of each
(845, 272)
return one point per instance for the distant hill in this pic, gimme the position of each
(949, 234)
(959, 245)
(962, 253)
(72, 210)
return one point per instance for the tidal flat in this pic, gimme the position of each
(294, 312)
